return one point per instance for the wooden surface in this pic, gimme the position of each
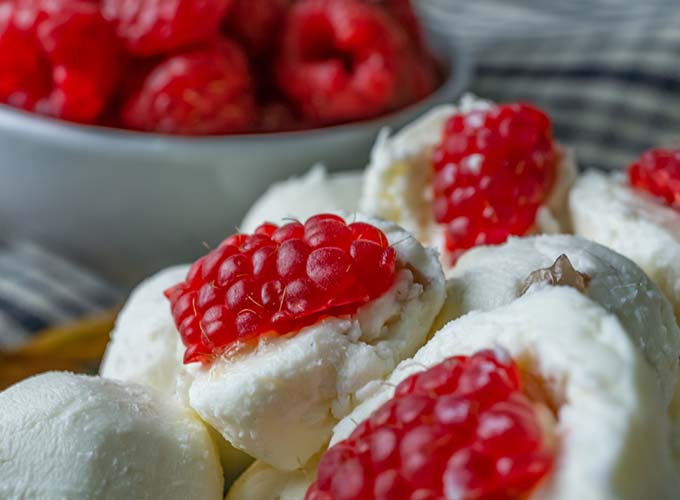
(76, 347)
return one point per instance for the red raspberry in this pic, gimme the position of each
(657, 172)
(204, 91)
(153, 27)
(256, 23)
(279, 280)
(340, 59)
(403, 13)
(46, 67)
(493, 170)
(462, 429)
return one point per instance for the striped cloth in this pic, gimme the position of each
(606, 70)
(39, 289)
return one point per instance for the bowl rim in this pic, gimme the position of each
(446, 48)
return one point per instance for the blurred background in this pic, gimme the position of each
(85, 213)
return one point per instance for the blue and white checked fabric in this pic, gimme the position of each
(607, 71)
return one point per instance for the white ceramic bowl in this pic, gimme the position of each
(127, 203)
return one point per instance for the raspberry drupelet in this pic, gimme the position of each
(279, 280)
(461, 430)
(657, 172)
(493, 169)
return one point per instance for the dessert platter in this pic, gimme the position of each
(466, 318)
(408, 331)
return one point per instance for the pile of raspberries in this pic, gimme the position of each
(208, 67)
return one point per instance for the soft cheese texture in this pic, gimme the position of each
(613, 427)
(604, 208)
(143, 346)
(262, 481)
(146, 349)
(279, 401)
(398, 177)
(491, 276)
(315, 192)
(65, 436)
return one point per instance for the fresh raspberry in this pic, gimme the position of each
(256, 23)
(46, 67)
(492, 171)
(657, 172)
(460, 430)
(204, 91)
(403, 13)
(153, 27)
(279, 280)
(340, 59)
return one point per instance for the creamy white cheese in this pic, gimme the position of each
(262, 481)
(604, 208)
(491, 276)
(143, 346)
(397, 181)
(279, 401)
(317, 191)
(65, 436)
(146, 348)
(613, 428)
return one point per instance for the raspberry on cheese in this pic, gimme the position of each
(471, 175)
(291, 327)
(461, 429)
(611, 426)
(278, 280)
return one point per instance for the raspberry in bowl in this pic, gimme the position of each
(179, 129)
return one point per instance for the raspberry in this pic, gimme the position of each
(492, 171)
(340, 59)
(45, 67)
(403, 13)
(462, 429)
(279, 280)
(256, 23)
(657, 172)
(154, 27)
(204, 91)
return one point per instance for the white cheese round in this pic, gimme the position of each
(613, 428)
(604, 208)
(491, 276)
(279, 401)
(65, 436)
(143, 346)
